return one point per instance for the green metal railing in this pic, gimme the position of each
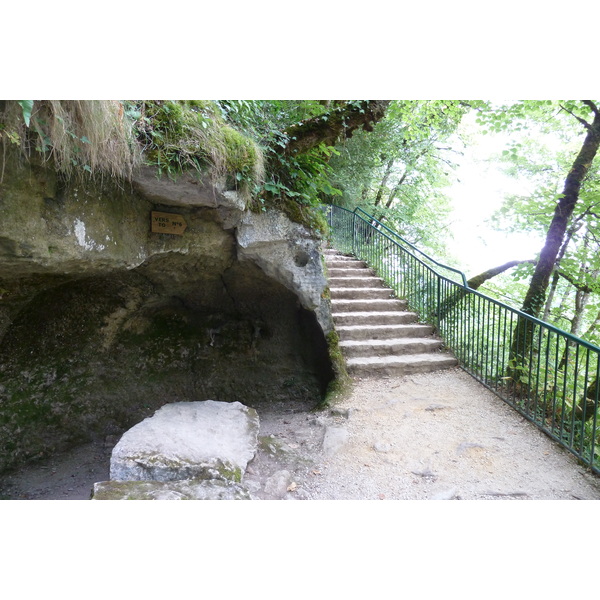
(548, 375)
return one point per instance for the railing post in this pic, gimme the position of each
(354, 233)
(437, 310)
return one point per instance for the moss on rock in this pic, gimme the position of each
(341, 382)
(192, 135)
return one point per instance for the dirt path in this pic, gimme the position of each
(418, 437)
(444, 436)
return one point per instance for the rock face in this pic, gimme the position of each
(188, 440)
(101, 319)
(286, 252)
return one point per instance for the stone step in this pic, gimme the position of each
(381, 293)
(360, 304)
(371, 317)
(340, 256)
(383, 332)
(400, 365)
(355, 282)
(398, 346)
(350, 272)
(378, 334)
(340, 263)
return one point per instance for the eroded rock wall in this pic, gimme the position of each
(103, 321)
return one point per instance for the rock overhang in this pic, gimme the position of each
(132, 313)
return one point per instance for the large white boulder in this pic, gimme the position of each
(187, 440)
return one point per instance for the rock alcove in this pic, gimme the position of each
(102, 321)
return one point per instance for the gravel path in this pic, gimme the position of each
(445, 436)
(420, 437)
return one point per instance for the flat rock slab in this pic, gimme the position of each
(188, 440)
(190, 489)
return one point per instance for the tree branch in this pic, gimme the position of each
(480, 279)
(328, 128)
(592, 106)
(582, 121)
(451, 301)
(579, 286)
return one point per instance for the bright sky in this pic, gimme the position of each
(478, 194)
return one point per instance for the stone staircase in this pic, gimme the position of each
(378, 335)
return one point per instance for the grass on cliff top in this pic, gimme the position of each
(181, 135)
(112, 138)
(79, 136)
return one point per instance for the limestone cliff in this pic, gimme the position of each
(102, 320)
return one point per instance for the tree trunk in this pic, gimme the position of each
(382, 185)
(534, 299)
(555, 277)
(477, 281)
(396, 189)
(551, 293)
(536, 294)
(582, 297)
(480, 279)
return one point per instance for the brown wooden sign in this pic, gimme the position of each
(167, 223)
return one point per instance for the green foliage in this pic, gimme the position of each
(548, 116)
(397, 172)
(243, 140)
(304, 178)
(177, 136)
(27, 107)
(542, 156)
(296, 184)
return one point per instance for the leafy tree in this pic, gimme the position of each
(298, 138)
(397, 172)
(567, 213)
(545, 167)
(586, 115)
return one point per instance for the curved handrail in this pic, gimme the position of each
(391, 231)
(517, 312)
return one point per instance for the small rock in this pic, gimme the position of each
(467, 446)
(302, 494)
(277, 485)
(341, 412)
(335, 438)
(110, 441)
(427, 474)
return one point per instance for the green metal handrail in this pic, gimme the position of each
(399, 238)
(548, 375)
